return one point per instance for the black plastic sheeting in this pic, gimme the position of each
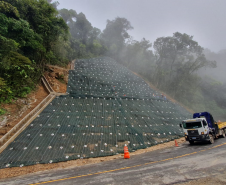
(107, 106)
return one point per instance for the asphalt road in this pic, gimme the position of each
(168, 166)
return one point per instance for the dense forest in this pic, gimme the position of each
(34, 33)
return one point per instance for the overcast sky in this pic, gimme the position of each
(203, 19)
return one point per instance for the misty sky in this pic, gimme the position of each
(203, 19)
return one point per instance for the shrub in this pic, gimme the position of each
(19, 77)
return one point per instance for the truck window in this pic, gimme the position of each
(191, 125)
(204, 123)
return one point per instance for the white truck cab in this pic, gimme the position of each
(202, 128)
(196, 130)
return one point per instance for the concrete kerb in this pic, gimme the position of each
(27, 120)
(46, 84)
(33, 114)
(73, 64)
(30, 117)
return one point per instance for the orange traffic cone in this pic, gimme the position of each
(126, 152)
(176, 143)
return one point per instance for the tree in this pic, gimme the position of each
(54, 4)
(9, 10)
(115, 35)
(178, 57)
(68, 15)
(84, 40)
(30, 30)
(43, 20)
(81, 29)
(16, 34)
(19, 76)
(138, 57)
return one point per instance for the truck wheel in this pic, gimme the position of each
(223, 134)
(191, 142)
(211, 141)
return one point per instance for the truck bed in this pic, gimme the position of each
(221, 125)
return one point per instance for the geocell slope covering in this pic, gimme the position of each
(107, 106)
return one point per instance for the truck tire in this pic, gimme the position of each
(191, 142)
(211, 141)
(223, 134)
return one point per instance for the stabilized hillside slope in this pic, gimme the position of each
(107, 107)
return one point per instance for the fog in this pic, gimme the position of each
(203, 19)
(217, 73)
(161, 47)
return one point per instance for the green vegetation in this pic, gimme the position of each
(20, 77)
(30, 30)
(35, 30)
(2, 111)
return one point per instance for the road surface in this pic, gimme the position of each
(167, 166)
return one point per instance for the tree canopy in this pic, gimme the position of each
(34, 33)
(115, 35)
(29, 31)
(178, 57)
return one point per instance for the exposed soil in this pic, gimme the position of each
(57, 78)
(17, 171)
(18, 109)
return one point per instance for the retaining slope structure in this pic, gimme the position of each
(18, 128)
(107, 106)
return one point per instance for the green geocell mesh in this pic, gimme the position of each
(107, 106)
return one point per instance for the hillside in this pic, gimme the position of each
(56, 36)
(107, 106)
(19, 108)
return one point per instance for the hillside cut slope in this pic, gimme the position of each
(107, 106)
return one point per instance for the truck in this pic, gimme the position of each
(202, 128)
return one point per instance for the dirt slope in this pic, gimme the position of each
(19, 108)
